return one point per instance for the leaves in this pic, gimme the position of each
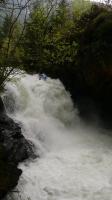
(47, 42)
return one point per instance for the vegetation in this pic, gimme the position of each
(71, 41)
(74, 45)
(11, 32)
(66, 41)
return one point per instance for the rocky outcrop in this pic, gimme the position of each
(9, 173)
(14, 148)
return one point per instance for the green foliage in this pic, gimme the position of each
(80, 7)
(94, 31)
(13, 17)
(73, 46)
(68, 41)
(47, 42)
(10, 51)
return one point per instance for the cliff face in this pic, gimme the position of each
(14, 148)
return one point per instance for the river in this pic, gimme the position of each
(74, 160)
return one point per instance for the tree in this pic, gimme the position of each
(47, 37)
(11, 34)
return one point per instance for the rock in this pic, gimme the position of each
(9, 173)
(2, 108)
(15, 144)
(14, 148)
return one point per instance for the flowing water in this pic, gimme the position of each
(74, 161)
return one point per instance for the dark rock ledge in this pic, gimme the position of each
(14, 148)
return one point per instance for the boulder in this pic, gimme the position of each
(14, 148)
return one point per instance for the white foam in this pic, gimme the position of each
(75, 161)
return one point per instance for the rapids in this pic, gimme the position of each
(74, 161)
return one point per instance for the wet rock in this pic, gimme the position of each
(2, 108)
(14, 148)
(9, 173)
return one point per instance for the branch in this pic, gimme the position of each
(13, 24)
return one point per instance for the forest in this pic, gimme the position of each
(66, 40)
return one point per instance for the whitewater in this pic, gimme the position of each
(73, 160)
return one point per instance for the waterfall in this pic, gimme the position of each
(74, 161)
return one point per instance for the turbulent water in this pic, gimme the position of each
(74, 161)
